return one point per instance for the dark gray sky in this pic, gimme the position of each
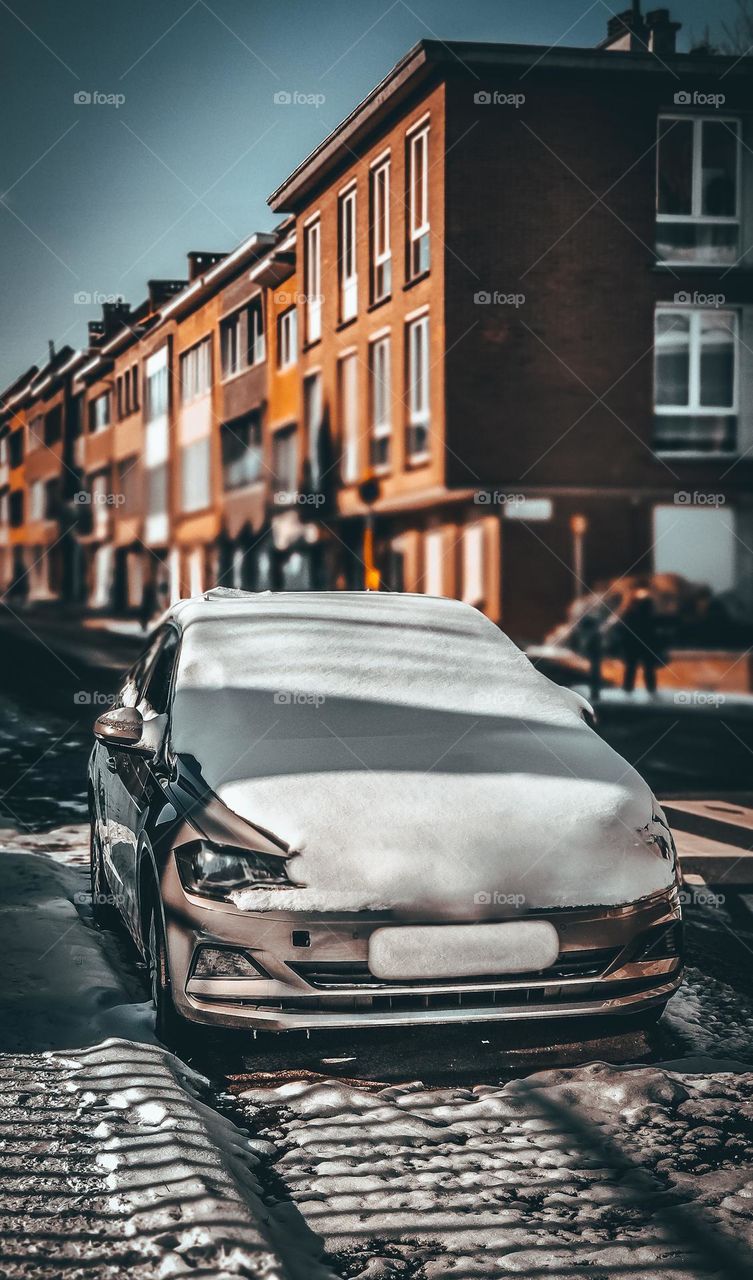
(99, 198)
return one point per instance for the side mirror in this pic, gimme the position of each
(119, 727)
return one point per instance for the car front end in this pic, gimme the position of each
(284, 970)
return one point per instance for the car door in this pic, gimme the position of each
(131, 774)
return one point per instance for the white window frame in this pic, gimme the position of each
(230, 325)
(347, 211)
(195, 366)
(313, 272)
(381, 241)
(694, 408)
(95, 426)
(418, 207)
(37, 504)
(418, 389)
(697, 217)
(287, 341)
(36, 433)
(256, 347)
(201, 497)
(380, 399)
(348, 414)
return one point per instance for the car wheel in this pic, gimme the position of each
(171, 1028)
(103, 910)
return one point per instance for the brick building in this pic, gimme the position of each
(542, 350)
(500, 343)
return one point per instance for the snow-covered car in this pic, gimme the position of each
(358, 809)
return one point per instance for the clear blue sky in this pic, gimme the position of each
(99, 198)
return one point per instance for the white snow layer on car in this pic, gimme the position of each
(409, 755)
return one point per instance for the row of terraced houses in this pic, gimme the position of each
(499, 346)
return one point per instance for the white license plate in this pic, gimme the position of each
(462, 950)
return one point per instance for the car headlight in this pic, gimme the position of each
(218, 871)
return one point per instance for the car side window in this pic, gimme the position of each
(157, 688)
(130, 692)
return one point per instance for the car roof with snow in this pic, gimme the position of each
(415, 650)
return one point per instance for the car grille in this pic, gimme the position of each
(518, 997)
(332, 975)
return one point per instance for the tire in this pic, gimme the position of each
(170, 1027)
(104, 913)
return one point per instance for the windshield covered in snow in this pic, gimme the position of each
(338, 684)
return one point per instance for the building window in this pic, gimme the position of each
(433, 578)
(347, 255)
(100, 504)
(313, 413)
(128, 480)
(156, 394)
(474, 564)
(156, 489)
(52, 490)
(256, 344)
(285, 462)
(419, 254)
(128, 392)
(196, 371)
(99, 412)
(16, 505)
(313, 278)
(36, 433)
(381, 251)
(195, 472)
(230, 345)
(380, 402)
(53, 425)
(347, 393)
(16, 448)
(418, 389)
(36, 500)
(287, 338)
(697, 204)
(242, 456)
(695, 380)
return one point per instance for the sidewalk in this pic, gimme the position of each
(714, 837)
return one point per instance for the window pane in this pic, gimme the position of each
(195, 472)
(349, 417)
(241, 451)
(719, 177)
(672, 359)
(717, 360)
(675, 161)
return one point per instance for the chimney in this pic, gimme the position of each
(662, 32)
(199, 262)
(160, 291)
(115, 315)
(627, 32)
(96, 331)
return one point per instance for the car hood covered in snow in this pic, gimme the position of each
(409, 756)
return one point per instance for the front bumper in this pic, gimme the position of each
(313, 970)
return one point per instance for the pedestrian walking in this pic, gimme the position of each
(639, 641)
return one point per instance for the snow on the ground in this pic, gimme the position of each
(111, 1164)
(573, 1173)
(67, 844)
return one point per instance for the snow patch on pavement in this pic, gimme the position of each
(538, 1174)
(129, 1171)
